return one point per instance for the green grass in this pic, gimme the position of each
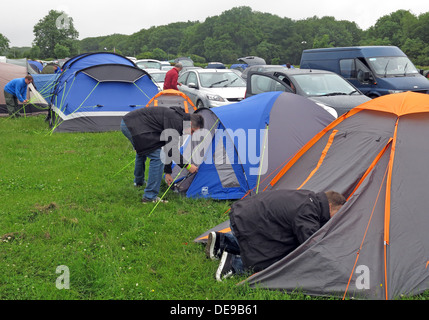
(68, 199)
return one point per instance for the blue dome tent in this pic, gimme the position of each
(245, 143)
(95, 90)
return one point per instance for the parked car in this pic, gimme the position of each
(252, 60)
(375, 70)
(212, 87)
(215, 65)
(149, 64)
(324, 87)
(158, 76)
(185, 61)
(261, 68)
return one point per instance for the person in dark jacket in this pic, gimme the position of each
(149, 130)
(268, 226)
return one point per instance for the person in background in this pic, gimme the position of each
(172, 76)
(16, 90)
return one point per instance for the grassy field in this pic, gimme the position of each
(67, 199)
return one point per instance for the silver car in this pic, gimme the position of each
(212, 87)
(158, 77)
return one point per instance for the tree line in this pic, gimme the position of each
(236, 33)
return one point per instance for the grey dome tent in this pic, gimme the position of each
(377, 245)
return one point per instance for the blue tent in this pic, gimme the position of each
(44, 84)
(35, 65)
(95, 90)
(246, 143)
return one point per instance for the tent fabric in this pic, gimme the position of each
(114, 73)
(377, 245)
(36, 66)
(44, 83)
(248, 141)
(172, 98)
(96, 90)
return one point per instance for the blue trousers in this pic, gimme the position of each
(228, 242)
(156, 167)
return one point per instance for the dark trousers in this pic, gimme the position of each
(11, 104)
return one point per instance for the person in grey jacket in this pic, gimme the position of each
(268, 226)
(149, 129)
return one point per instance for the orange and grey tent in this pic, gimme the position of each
(172, 98)
(377, 245)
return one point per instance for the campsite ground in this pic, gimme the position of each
(68, 200)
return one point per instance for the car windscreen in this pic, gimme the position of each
(158, 77)
(149, 65)
(323, 84)
(392, 66)
(221, 79)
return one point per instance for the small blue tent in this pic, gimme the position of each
(245, 143)
(95, 90)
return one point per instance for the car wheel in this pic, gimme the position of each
(200, 104)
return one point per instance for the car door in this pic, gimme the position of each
(259, 82)
(189, 85)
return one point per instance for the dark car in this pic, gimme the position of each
(324, 87)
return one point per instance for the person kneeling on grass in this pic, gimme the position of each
(267, 227)
(147, 130)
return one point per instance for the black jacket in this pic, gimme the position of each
(147, 125)
(270, 225)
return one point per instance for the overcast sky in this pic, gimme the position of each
(99, 18)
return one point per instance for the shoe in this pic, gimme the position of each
(213, 250)
(225, 269)
(138, 185)
(157, 199)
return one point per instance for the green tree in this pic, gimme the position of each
(4, 43)
(55, 28)
(61, 51)
(35, 52)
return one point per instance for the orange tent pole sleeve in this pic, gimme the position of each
(377, 158)
(310, 143)
(387, 204)
(389, 186)
(322, 157)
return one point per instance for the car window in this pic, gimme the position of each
(221, 80)
(347, 68)
(392, 66)
(261, 83)
(182, 77)
(149, 65)
(323, 84)
(192, 78)
(158, 77)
